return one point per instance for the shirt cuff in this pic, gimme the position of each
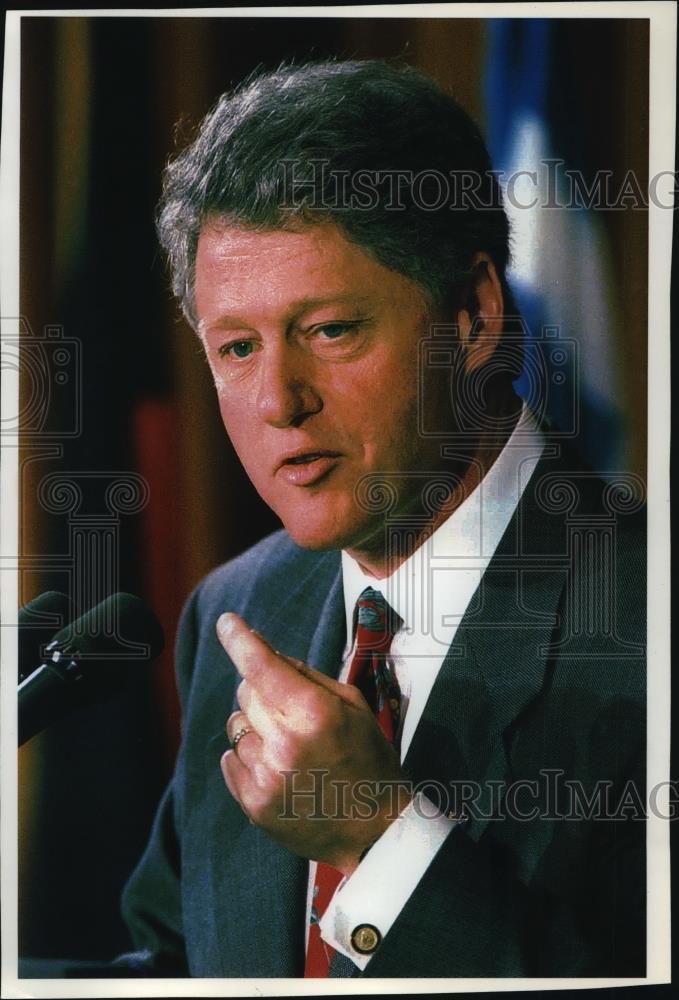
(367, 903)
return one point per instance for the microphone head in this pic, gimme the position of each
(37, 621)
(118, 630)
(88, 661)
(48, 605)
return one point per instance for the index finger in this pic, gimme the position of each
(267, 671)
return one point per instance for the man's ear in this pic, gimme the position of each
(481, 318)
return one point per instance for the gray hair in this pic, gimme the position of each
(272, 155)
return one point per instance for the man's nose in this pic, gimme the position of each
(286, 394)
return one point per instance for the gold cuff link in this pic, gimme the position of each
(365, 938)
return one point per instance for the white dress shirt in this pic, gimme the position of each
(431, 591)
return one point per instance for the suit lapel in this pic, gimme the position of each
(497, 664)
(305, 621)
(327, 645)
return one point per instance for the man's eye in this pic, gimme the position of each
(337, 340)
(331, 331)
(335, 331)
(239, 349)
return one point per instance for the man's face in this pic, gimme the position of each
(313, 347)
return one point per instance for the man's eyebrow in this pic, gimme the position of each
(232, 321)
(306, 305)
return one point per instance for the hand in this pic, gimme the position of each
(315, 770)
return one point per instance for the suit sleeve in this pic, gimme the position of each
(381, 885)
(470, 914)
(151, 902)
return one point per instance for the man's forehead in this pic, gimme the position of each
(300, 270)
(225, 239)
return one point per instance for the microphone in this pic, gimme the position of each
(37, 621)
(88, 661)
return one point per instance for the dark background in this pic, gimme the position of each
(101, 99)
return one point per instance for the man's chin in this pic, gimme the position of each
(314, 540)
(323, 537)
(323, 521)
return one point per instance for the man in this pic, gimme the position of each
(402, 712)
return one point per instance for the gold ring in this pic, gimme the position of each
(238, 736)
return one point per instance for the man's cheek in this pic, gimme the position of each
(246, 441)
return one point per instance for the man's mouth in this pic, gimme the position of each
(310, 457)
(307, 468)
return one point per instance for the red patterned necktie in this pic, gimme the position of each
(375, 626)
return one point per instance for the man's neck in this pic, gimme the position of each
(379, 558)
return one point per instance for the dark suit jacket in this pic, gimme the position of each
(543, 685)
